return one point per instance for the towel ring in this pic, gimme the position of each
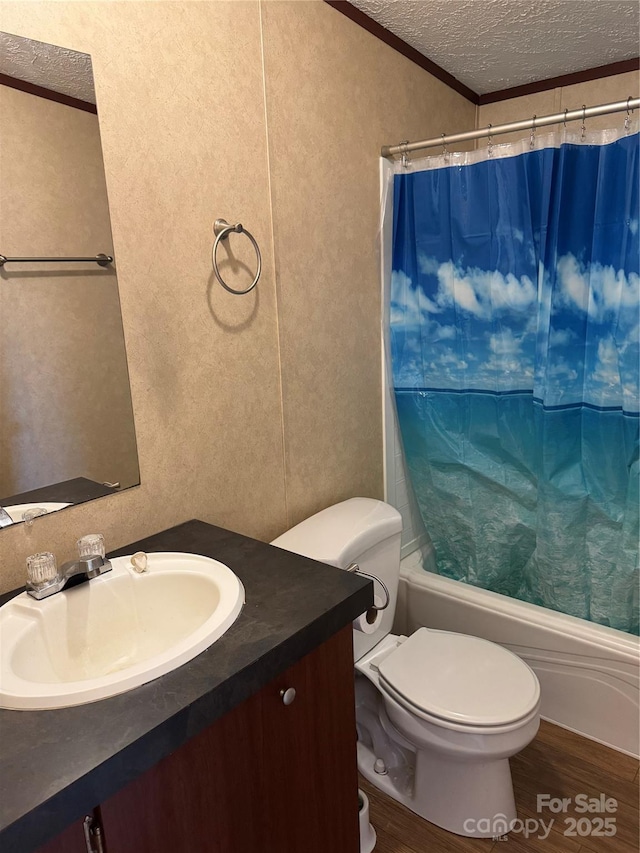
(222, 229)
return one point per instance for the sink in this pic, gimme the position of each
(17, 511)
(115, 632)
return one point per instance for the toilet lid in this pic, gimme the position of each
(460, 678)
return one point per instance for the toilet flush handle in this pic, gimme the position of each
(355, 568)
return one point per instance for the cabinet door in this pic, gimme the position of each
(70, 840)
(265, 778)
(309, 772)
(203, 797)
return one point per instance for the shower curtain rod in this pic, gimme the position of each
(528, 124)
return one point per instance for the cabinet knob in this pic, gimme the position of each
(288, 695)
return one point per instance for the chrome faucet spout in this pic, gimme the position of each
(91, 566)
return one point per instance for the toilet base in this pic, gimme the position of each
(470, 799)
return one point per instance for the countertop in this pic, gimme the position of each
(74, 491)
(55, 766)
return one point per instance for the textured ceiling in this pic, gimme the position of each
(56, 68)
(496, 44)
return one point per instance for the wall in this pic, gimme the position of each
(334, 94)
(251, 412)
(65, 406)
(603, 91)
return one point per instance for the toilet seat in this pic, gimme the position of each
(459, 681)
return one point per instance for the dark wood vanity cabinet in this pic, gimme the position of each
(71, 840)
(268, 777)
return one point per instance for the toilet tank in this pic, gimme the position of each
(362, 531)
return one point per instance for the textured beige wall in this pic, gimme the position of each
(595, 92)
(335, 95)
(295, 149)
(65, 406)
(179, 151)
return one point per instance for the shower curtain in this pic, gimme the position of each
(515, 357)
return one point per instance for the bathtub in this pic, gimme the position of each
(589, 674)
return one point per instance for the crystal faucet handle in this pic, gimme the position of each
(91, 545)
(35, 512)
(41, 568)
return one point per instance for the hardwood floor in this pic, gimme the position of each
(559, 763)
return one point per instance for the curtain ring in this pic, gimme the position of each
(532, 138)
(627, 120)
(489, 142)
(445, 151)
(584, 126)
(405, 157)
(565, 117)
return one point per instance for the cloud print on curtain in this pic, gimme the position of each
(515, 309)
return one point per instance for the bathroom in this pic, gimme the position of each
(251, 413)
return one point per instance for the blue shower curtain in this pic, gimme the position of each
(515, 353)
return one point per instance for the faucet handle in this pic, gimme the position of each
(30, 515)
(41, 569)
(91, 545)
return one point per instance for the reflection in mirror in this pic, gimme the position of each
(66, 419)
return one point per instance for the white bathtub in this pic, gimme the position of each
(589, 674)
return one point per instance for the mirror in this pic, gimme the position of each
(66, 420)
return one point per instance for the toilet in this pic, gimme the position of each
(438, 714)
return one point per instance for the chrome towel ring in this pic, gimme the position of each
(222, 229)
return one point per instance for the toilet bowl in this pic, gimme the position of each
(438, 714)
(455, 740)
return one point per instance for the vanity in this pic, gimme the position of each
(250, 746)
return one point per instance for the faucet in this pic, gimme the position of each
(44, 579)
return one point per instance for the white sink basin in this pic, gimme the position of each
(16, 512)
(114, 632)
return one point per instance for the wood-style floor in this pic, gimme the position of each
(558, 763)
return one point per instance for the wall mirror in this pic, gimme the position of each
(66, 420)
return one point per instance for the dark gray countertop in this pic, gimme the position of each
(55, 766)
(74, 491)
